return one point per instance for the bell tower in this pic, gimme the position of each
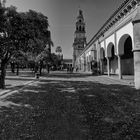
(79, 37)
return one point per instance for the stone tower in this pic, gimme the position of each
(79, 37)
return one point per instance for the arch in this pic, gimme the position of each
(123, 33)
(102, 53)
(83, 28)
(103, 60)
(80, 28)
(125, 47)
(113, 60)
(122, 47)
(110, 50)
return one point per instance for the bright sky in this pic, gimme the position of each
(62, 17)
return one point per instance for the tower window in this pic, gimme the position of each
(80, 28)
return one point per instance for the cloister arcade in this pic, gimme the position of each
(116, 46)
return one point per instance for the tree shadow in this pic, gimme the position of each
(21, 73)
(19, 78)
(74, 110)
(10, 87)
(68, 75)
(15, 83)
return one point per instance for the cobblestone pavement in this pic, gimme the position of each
(65, 106)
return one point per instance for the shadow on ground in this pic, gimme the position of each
(15, 83)
(68, 75)
(69, 110)
(20, 78)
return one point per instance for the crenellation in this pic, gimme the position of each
(125, 10)
(129, 7)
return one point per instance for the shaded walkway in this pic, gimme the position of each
(71, 108)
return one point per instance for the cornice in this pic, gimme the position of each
(121, 11)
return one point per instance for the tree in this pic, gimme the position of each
(59, 54)
(6, 43)
(20, 59)
(58, 49)
(42, 38)
(55, 60)
(44, 58)
(24, 32)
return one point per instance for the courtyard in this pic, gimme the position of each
(62, 106)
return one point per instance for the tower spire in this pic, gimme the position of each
(79, 38)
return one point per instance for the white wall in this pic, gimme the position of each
(103, 45)
(110, 39)
(127, 29)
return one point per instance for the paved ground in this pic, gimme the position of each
(63, 106)
(15, 82)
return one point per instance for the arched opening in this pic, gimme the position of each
(102, 53)
(126, 53)
(103, 65)
(112, 58)
(83, 29)
(80, 28)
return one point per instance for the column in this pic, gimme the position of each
(136, 51)
(119, 66)
(108, 66)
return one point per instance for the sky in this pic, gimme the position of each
(62, 16)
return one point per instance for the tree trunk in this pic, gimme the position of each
(40, 68)
(48, 68)
(36, 69)
(3, 74)
(40, 71)
(13, 67)
(17, 69)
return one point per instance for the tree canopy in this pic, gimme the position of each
(25, 32)
(58, 49)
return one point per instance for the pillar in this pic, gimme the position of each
(136, 50)
(108, 66)
(119, 66)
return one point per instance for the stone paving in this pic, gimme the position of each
(82, 76)
(63, 106)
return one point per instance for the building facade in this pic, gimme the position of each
(67, 63)
(79, 37)
(116, 46)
